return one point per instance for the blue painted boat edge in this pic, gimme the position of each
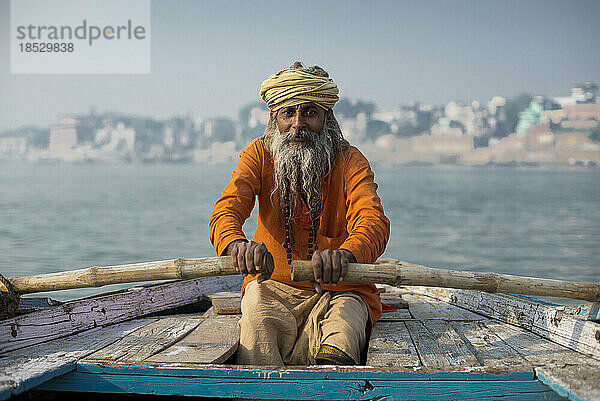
(561, 390)
(295, 373)
(38, 380)
(301, 389)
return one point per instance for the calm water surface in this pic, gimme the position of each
(539, 222)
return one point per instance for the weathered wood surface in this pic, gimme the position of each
(583, 310)
(399, 314)
(149, 340)
(489, 349)
(213, 341)
(391, 346)
(76, 316)
(569, 373)
(549, 322)
(26, 368)
(395, 300)
(308, 384)
(226, 303)
(401, 273)
(97, 276)
(423, 307)
(440, 346)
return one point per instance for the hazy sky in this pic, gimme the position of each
(209, 57)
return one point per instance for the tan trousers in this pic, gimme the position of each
(281, 324)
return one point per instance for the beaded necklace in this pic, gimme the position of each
(289, 236)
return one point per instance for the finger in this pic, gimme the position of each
(258, 256)
(241, 258)
(336, 267)
(327, 265)
(317, 286)
(249, 257)
(344, 271)
(317, 264)
(233, 253)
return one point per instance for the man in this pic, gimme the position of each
(317, 200)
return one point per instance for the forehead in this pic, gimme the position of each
(302, 106)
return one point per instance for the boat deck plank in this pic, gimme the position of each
(80, 315)
(392, 346)
(25, 368)
(213, 341)
(439, 345)
(399, 314)
(492, 353)
(548, 321)
(148, 340)
(423, 307)
(568, 372)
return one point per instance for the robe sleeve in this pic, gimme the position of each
(237, 199)
(368, 227)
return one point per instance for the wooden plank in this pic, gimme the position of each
(147, 341)
(213, 341)
(400, 314)
(283, 384)
(226, 303)
(440, 346)
(569, 373)
(583, 310)
(76, 316)
(549, 322)
(493, 353)
(26, 368)
(577, 382)
(423, 307)
(537, 350)
(391, 346)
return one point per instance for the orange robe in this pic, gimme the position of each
(352, 217)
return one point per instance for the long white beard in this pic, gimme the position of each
(301, 166)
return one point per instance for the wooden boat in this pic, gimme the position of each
(439, 344)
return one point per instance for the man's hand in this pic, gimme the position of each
(247, 257)
(330, 266)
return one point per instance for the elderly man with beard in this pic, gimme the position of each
(317, 200)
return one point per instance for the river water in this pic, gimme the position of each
(528, 221)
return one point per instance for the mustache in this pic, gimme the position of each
(303, 133)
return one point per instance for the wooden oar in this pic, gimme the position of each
(97, 276)
(401, 273)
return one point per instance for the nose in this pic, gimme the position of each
(298, 121)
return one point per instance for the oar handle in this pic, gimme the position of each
(402, 273)
(97, 276)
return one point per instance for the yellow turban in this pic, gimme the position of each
(293, 86)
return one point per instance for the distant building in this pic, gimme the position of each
(64, 135)
(441, 145)
(581, 116)
(553, 116)
(575, 141)
(13, 146)
(539, 137)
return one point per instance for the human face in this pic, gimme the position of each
(303, 116)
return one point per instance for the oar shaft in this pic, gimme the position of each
(397, 275)
(98, 276)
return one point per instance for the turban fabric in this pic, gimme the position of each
(292, 86)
